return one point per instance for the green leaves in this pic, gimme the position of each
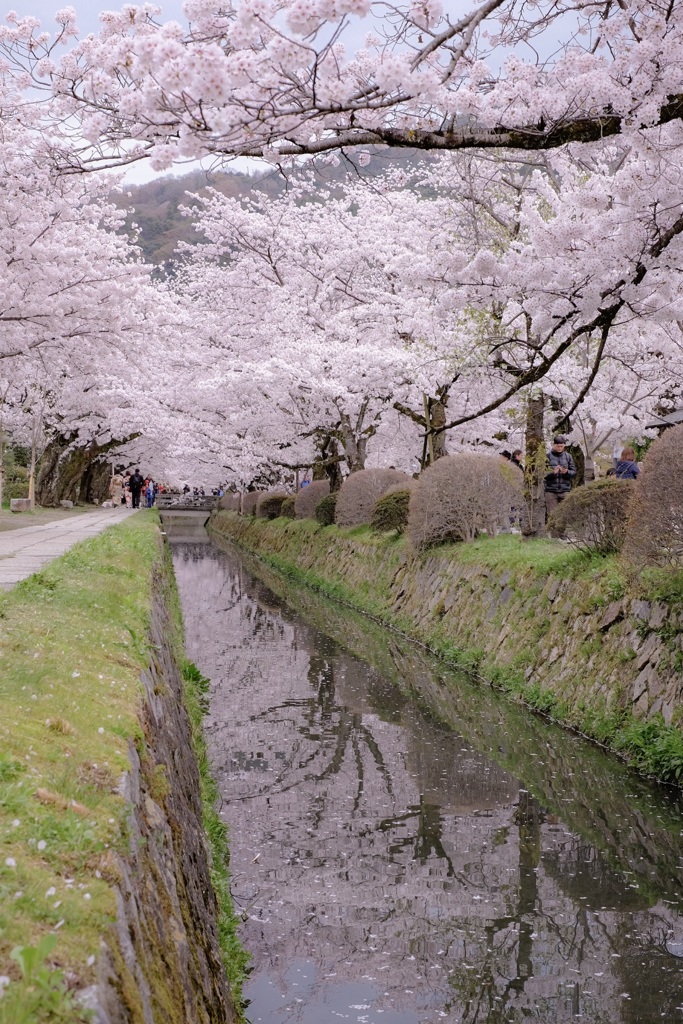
(41, 995)
(30, 958)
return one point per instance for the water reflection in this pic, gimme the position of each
(409, 848)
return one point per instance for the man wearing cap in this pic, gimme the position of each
(561, 471)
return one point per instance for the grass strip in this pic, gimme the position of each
(73, 644)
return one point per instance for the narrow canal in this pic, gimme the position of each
(408, 847)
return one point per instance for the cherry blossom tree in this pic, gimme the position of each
(275, 78)
(546, 259)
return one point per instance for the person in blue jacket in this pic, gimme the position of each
(627, 467)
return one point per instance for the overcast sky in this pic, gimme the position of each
(88, 11)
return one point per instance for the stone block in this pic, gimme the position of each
(658, 616)
(656, 686)
(640, 707)
(668, 708)
(648, 651)
(19, 505)
(613, 613)
(65, 503)
(641, 609)
(642, 683)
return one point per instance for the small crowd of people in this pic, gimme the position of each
(199, 492)
(561, 469)
(129, 489)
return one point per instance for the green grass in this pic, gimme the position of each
(73, 643)
(662, 585)
(517, 554)
(70, 691)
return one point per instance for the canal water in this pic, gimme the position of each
(406, 846)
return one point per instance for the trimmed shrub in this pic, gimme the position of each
(231, 500)
(324, 510)
(593, 517)
(391, 510)
(654, 531)
(308, 498)
(360, 491)
(269, 504)
(287, 507)
(249, 502)
(461, 495)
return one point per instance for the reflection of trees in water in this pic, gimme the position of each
(341, 766)
(638, 828)
(426, 840)
(484, 994)
(335, 738)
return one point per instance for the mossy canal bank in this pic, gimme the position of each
(113, 892)
(550, 627)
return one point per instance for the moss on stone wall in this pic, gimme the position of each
(550, 626)
(104, 839)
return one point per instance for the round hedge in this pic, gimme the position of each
(594, 516)
(324, 510)
(287, 507)
(269, 505)
(391, 511)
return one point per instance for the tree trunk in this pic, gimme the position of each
(576, 452)
(95, 486)
(327, 466)
(438, 419)
(435, 438)
(533, 523)
(68, 473)
(354, 452)
(32, 469)
(332, 468)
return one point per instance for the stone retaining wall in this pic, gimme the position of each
(590, 652)
(162, 961)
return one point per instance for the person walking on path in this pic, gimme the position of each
(116, 489)
(560, 473)
(136, 484)
(627, 467)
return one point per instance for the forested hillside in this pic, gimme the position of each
(156, 205)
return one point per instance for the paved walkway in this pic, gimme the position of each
(25, 551)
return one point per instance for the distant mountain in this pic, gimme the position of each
(156, 209)
(155, 206)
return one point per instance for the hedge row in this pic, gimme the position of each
(462, 496)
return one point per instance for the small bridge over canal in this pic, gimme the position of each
(185, 509)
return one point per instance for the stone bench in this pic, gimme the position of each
(20, 505)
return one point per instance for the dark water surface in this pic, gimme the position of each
(406, 846)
